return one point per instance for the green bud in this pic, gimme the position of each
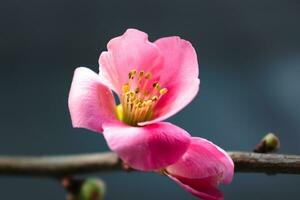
(269, 143)
(272, 142)
(92, 189)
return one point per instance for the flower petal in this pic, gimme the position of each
(202, 168)
(131, 51)
(172, 62)
(204, 159)
(147, 148)
(202, 188)
(179, 74)
(90, 102)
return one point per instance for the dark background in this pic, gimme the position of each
(249, 54)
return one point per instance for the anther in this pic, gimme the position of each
(137, 90)
(154, 98)
(131, 94)
(141, 74)
(163, 91)
(131, 74)
(156, 85)
(140, 105)
(125, 88)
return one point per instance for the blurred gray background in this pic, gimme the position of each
(249, 54)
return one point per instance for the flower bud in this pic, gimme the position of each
(92, 189)
(269, 143)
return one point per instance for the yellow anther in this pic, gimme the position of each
(141, 105)
(163, 91)
(131, 94)
(156, 85)
(125, 88)
(131, 74)
(136, 101)
(154, 98)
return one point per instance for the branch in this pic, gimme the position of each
(266, 163)
(60, 166)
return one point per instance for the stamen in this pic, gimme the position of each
(137, 90)
(154, 98)
(126, 88)
(141, 74)
(156, 85)
(138, 99)
(163, 91)
(131, 74)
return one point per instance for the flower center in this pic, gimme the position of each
(139, 97)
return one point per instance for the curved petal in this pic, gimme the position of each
(202, 168)
(179, 75)
(203, 159)
(172, 61)
(202, 188)
(147, 148)
(131, 51)
(90, 102)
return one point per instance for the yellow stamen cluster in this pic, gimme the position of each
(139, 96)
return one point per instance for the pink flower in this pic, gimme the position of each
(201, 169)
(153, 81)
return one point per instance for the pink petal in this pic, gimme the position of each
(202, 168)
(90, 102)
(202, 188)
(171, 61)
(204, 159)
(147, 148)
(179, 75)
(131, 51)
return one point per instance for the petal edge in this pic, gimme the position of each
(90, 102)
(149, 147)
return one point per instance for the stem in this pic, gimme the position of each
(61, 166)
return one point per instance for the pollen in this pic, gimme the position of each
(163, 91)
(140, 95)
(126, 88)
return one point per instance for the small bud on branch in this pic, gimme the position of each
(269, 143)
(84, 189)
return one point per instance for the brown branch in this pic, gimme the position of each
(59, 166)
(266, 163)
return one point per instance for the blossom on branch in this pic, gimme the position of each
(153, 81)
